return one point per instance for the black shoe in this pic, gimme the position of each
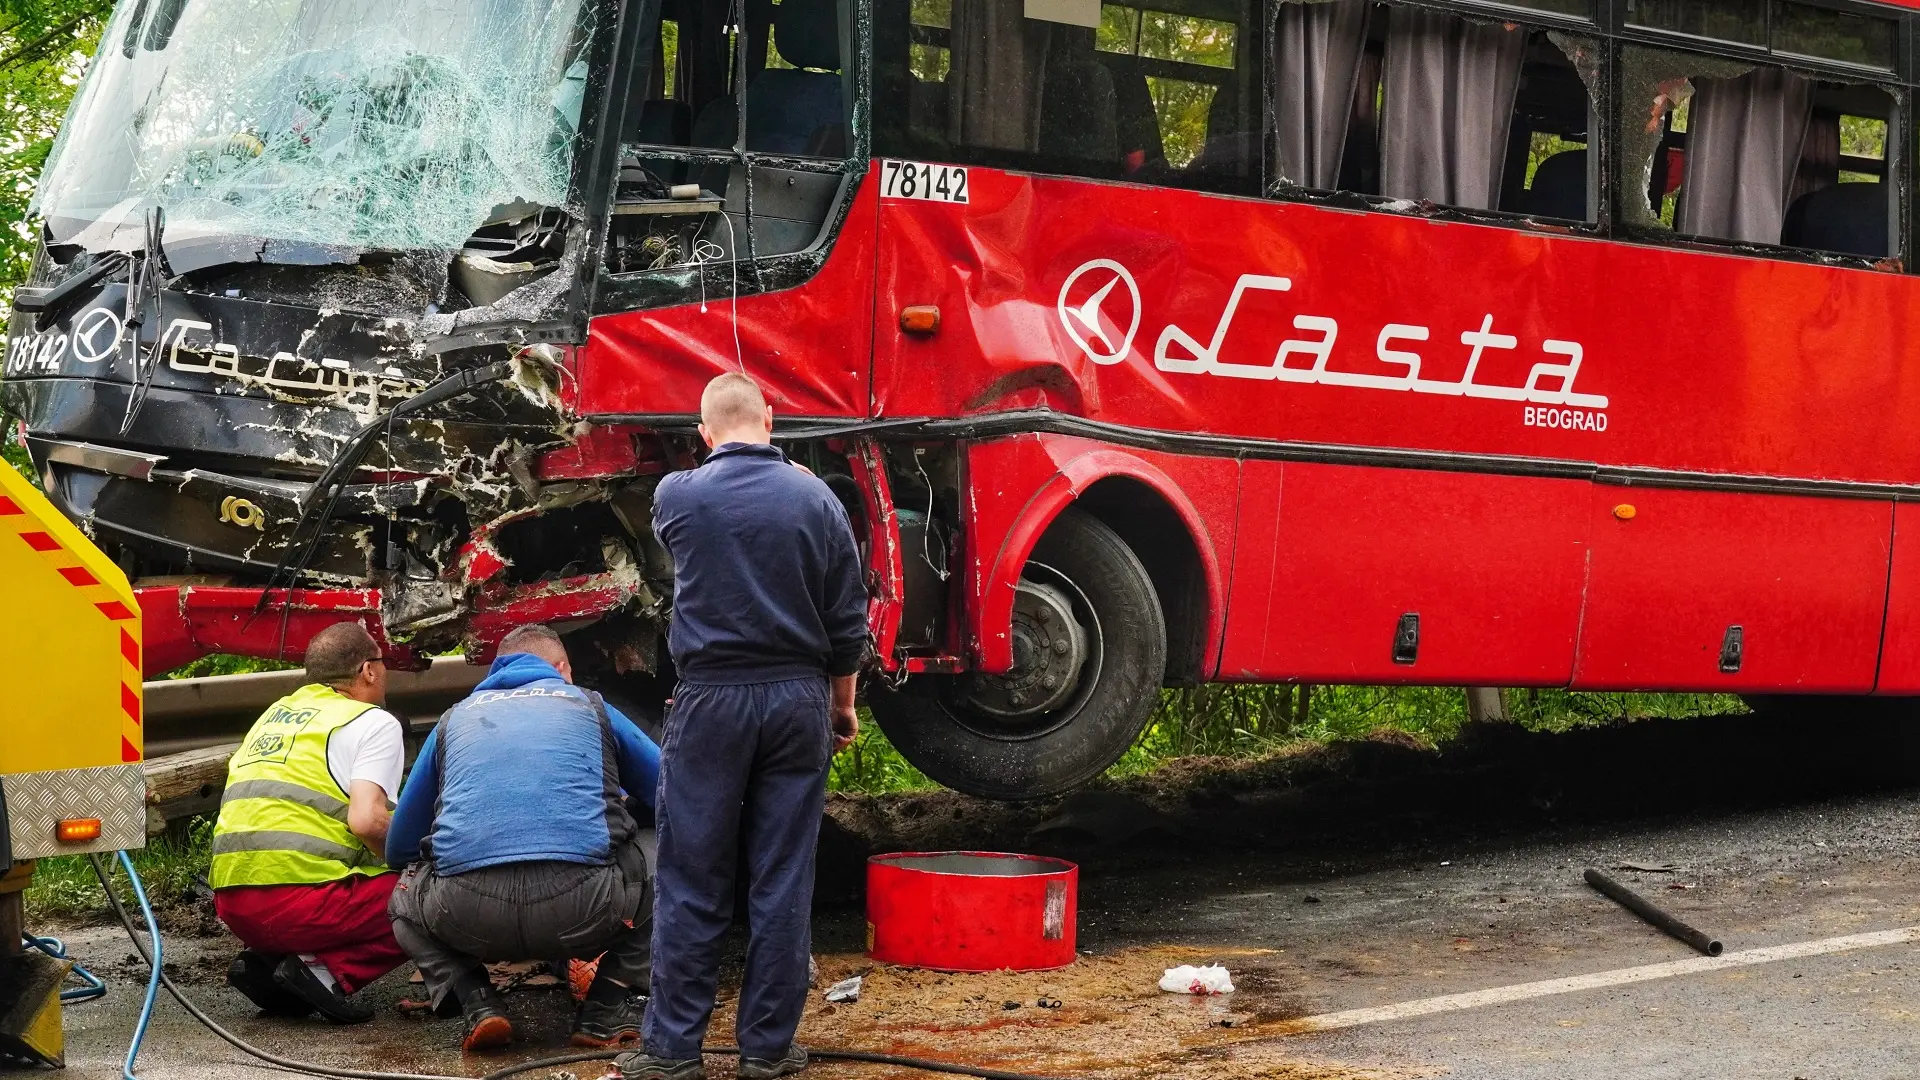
(252, 974)
(752, 1068)
(487, 1025)
(293, 977)
(638, 1065)
(609, 1019)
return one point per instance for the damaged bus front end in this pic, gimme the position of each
(305, 309)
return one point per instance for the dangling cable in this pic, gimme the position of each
(92, 985)
(154, 957)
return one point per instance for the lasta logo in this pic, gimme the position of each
(1095, 311)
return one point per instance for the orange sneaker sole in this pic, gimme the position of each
(489, 1034)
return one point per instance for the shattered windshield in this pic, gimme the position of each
(392, 124)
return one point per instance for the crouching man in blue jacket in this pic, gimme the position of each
(517, 845)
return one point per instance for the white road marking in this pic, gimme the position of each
(1501, 995)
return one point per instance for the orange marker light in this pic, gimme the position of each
(1624, 511)
(77, 830)
(920, 319)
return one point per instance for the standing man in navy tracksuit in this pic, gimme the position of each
(769, 627)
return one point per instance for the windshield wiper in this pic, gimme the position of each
(144, 285)
(65, 298)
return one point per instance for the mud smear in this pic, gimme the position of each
(1104, 1016)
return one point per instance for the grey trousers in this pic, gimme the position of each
(452, 926)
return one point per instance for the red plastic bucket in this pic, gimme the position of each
(971, 910)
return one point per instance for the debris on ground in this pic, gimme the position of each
(1187, 979)
(845, 991)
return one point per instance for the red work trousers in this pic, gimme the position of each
(344, 923)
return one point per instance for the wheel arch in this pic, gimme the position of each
(1151, 514)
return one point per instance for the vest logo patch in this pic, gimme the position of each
(276, 733)
(487, 697)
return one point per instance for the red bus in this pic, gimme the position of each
(1534, 343)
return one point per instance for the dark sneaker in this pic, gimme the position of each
(752, 1068)
(639, 1065)
(603, 1023)
(252, 975)
(292, 976)
(487, 1025)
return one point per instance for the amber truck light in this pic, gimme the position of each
(77, 830)
(1624, 511)
(920, 319)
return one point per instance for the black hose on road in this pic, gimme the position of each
(293, 1065)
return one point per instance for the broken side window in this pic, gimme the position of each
(798, 107)
(1420, 105)
(1160, 93)
(1755, 154)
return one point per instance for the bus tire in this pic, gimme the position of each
(1020, 736)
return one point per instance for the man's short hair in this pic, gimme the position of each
(336, 653)
(731, 401)
(539, 640)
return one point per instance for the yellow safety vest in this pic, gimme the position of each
(283, 819)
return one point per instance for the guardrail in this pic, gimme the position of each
(194, 725)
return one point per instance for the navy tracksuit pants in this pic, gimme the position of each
(743, 780)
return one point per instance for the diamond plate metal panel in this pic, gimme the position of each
(37, 801)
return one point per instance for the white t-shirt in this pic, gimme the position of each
(369, 747)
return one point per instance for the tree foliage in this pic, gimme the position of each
(44, 48)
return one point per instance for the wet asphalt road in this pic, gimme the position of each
(1353, 908)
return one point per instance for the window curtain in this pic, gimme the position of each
(1743, 149)
(1449, 85)
(1317, 49)
(999, 57)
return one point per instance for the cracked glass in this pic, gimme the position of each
(387, 124)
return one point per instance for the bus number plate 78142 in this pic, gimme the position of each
(919, 180)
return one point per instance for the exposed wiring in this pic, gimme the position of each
(926, 530)
(160, 978)
(733, 264)
(93, 986)
(706, 251)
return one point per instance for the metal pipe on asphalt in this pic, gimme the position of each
(1644, 908)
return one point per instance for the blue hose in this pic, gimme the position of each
(54, 947)
(153, 980)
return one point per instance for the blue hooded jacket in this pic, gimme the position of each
(517, 772)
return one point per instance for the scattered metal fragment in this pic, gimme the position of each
(1644, 908)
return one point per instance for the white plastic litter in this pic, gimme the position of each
(844, 991)
(1187, 979)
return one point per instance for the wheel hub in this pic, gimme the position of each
(1050, 647)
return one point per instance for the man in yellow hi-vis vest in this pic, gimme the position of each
(297, 871)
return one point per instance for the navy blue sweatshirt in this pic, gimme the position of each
(767, 581)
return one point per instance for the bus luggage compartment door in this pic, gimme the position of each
(1733, 591)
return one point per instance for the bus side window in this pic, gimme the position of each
(1755, 154)
(1426, 106)
(1158, 96)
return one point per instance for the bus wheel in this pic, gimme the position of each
(1089, 650)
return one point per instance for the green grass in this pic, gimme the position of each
(64, 889)
(1246, 721)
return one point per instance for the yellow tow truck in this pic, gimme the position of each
(70, 743)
